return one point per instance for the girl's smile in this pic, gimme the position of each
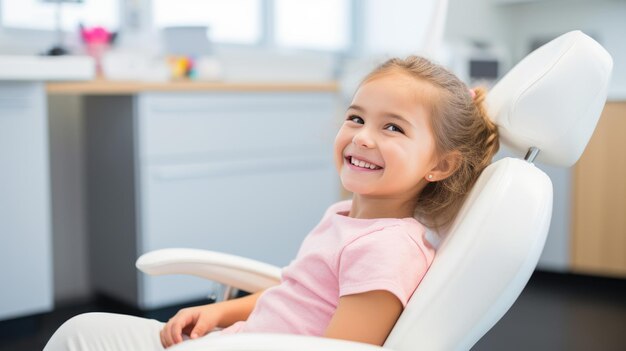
(361, 164)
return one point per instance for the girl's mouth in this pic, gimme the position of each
(358, 164)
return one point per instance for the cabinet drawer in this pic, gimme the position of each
(244, 209)
(20, 95)
(224, 124)
(226, 208)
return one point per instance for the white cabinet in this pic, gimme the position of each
(26, 285)
(248, 173)
(25, 243)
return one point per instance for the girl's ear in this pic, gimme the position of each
(446, 166)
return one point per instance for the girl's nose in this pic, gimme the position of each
(363, 139)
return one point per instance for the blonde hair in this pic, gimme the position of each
(460, 125)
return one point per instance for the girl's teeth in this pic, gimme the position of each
(362, 164)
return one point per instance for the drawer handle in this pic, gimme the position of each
(171, 173)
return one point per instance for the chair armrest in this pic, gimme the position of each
(272, 342)
(241, 273)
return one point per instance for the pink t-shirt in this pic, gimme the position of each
(341, 256)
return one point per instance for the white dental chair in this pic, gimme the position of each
(546, 107)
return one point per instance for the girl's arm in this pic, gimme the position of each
(237, 310)
(366, 317)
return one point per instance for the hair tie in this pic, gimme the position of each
(472, 93)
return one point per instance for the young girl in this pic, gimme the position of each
(413, 142)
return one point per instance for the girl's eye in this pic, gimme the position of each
(356, 119)
(394, 128)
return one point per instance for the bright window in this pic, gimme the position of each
(40, 14)
(312, 24)
(235, 21)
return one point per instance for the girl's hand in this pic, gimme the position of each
(193, 321)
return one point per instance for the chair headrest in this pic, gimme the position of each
(552, 99)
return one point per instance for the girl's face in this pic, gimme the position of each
(385, 147)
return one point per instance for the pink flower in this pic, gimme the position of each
(96, 35)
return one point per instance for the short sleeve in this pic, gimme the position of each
(388, 259)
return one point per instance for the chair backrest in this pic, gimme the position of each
(550, 100)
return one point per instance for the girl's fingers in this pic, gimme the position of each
(167, 334)
(177, 331)
(164, 333)
(162, 339)
(169, 331)
(200, 329)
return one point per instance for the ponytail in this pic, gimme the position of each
(492, 143)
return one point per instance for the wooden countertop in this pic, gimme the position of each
(104, 87)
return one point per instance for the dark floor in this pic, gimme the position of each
(554, 312)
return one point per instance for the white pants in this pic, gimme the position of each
(107, 331)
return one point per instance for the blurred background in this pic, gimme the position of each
(132, 125)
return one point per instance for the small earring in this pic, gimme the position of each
(430, 177)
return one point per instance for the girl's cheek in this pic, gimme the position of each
(340, 135)
(342, 140)
(338, 153)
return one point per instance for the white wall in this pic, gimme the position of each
(25, 42)
(395, 27)
(604, 20)
(476, 20)
(513, 25)
(472, 22)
